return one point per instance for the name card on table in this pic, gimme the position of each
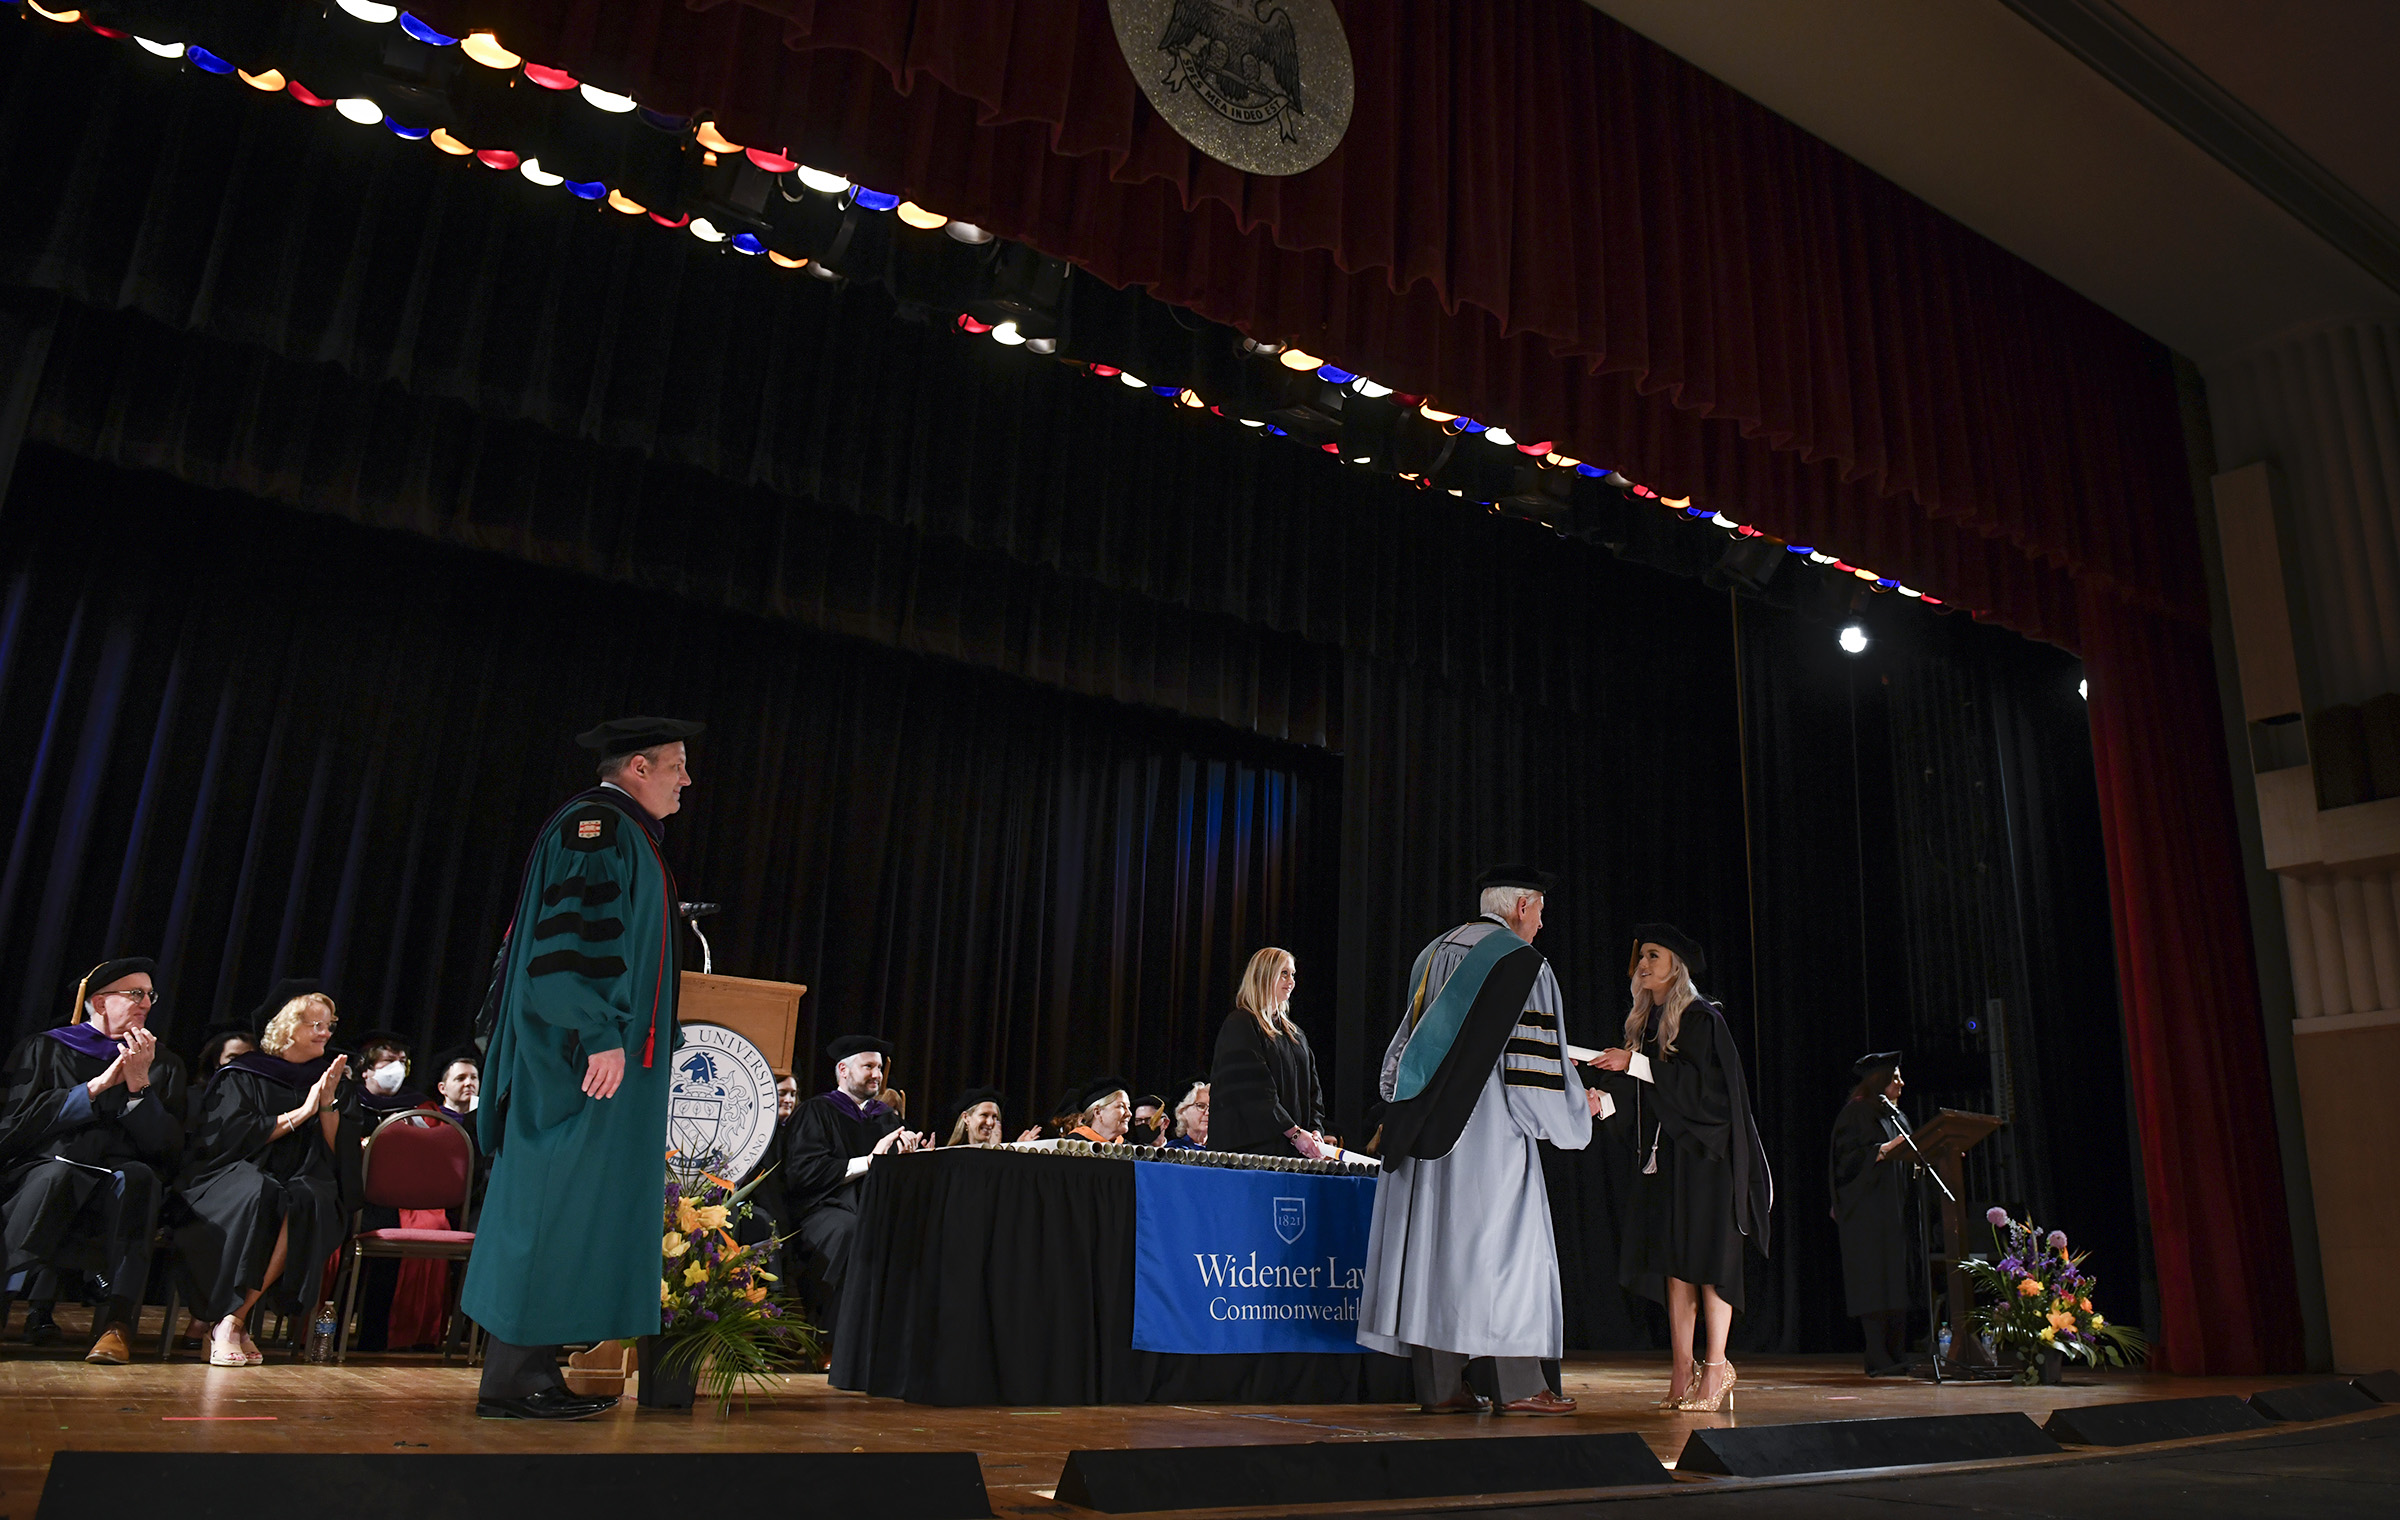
(1239, 1262)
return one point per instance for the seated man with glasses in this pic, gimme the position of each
(91, 1128)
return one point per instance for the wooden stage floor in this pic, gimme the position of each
(50, 1399)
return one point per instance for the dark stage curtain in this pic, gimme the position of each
(259, 744)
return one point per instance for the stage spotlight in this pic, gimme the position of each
(1292, 358)
(968, 232)
(359, 109)
(161, 49)
(2083, 689)
(606, 100)
(1854, 639)
(822, 182)
(371, 12)
(485, 49)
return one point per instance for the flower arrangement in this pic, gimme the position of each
(2041, 1301)
(721, 1323)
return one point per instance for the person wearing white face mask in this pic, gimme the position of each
(384, 1069)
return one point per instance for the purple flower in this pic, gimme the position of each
(2058, 1240)
(1997, 1215)
(2011, 1267)
(709, 1316)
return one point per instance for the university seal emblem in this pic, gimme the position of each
(720, 1104)
(1291, 1219)
(1263, 85)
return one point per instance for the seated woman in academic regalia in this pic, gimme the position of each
(1701, 1186)
(225, 1041)
(91, 1127)
(1102, 1112)
(1191, 1120)
(1867, 1173)
(269, 1179)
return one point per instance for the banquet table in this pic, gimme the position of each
(991, 1276)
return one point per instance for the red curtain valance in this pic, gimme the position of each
(1537, 216)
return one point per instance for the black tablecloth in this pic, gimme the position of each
(992, 1277)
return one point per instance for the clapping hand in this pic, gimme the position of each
(321, 1096)
(899, 1143)
(135, 1053)
(1030, 1135)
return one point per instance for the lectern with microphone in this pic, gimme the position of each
(767, 1014)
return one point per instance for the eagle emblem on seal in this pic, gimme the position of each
(1243, 59)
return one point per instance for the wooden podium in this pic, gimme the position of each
(1942, 1140)
(767, 1014)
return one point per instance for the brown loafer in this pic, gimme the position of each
(1465, 1401)
(110, 1348)
(1544, 1402)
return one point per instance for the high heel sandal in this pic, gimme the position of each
(224, 1353)
(1722, 1399)
(1673, 1401)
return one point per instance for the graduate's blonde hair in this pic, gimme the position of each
(276, 1038)
(1257, 997)
(1680, 993)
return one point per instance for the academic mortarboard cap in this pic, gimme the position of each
(1695, 960)
(1100, 1087)
(283, 992)
(854, 1044)
(1867, 1065)
(625, 736)
(1517, 874)
(106, 975)
(970, 1098)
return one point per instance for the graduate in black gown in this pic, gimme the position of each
(383, 1088)
(91, 1128)
(270, 1178)
(1264, 1098)
(831, 1141)
(1701, 1186)
(1867, 1173)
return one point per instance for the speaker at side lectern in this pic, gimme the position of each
(767, 1014)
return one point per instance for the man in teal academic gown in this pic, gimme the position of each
(574, 1103)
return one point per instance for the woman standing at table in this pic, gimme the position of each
(1264, 1099)
(1702, 1186)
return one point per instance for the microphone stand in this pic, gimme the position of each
(1933, 1323)
(692, 913)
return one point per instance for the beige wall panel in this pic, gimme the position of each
(2347, 1079)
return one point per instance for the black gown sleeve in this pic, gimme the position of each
(1851, 1167)
(155, 1125)
(815, 1161)
(1241, 1088)
(1688, 1089)
(38, 1086)
(1315, 1085)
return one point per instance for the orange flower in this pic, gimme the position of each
(2029, 1288)
(2060, 1320)
(2084, 1304)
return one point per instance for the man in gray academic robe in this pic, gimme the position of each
(1461, 1262)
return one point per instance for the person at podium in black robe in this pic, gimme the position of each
(91, 1128)
(1700, 1186)
(270, 1178)
(1867, 1174)
(832, 1140)
(1264, 1097)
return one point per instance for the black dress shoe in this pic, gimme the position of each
(40, 1328)
(548, 1404)
(1465, 1401)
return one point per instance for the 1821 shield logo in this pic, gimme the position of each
(1263, 85)
(1291, 1218)
(720, 1104)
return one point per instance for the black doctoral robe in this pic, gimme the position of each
(83, 1179)
(1870, 1200)
(1260, 1087)
(241, 1185)
(1688, 1217)
(825, 1134)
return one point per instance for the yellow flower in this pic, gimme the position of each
(2098, 1320)
(711, 1217)
(695, 1274)
(672, 1245)
(666, 1295)
(687, 1218)
(2049, 1335)
(2029, 1288)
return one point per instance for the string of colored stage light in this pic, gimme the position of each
(485, 49)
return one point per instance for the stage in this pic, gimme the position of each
(50, 1400)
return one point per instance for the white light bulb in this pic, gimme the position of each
(370, 11)
(615, 105)
(1815, 558)
(706, 230)
(1854, 639)
(162, 49)
(1251, 421)
(822, 182)
(2083, 689)
(1909, 591)
(1007, 333)
(1370, 389)
(359, 109)
(1135, 381)
(1721, 520)
(532, 169)
(1041, 345)
(968, 232)
(1499, 436)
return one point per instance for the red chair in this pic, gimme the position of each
(420, 1158)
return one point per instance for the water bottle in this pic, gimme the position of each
(321, 1333)
(1945, 1343)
